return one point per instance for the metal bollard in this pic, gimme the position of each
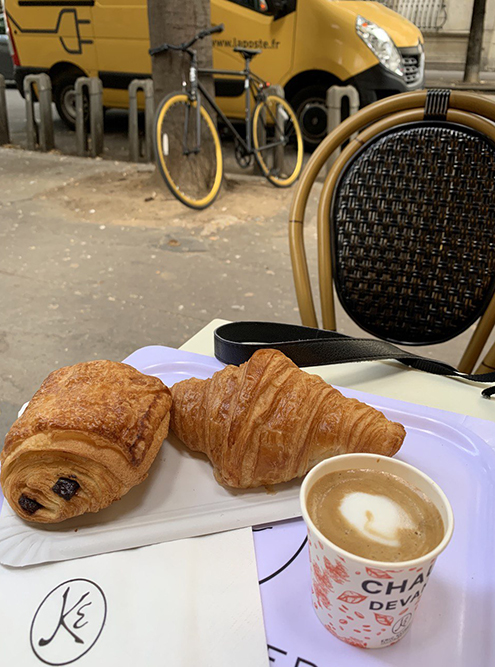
(141, 149)
(4, 119)
(89, 142)
(334, 111)
(39, 135)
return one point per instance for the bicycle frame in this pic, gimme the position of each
(197, 90)
(249, 79)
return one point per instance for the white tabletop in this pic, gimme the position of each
(390, 379)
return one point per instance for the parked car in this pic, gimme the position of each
(6, 63)
(307, 46)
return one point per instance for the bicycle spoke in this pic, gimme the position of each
(192, 170)
(278, 140)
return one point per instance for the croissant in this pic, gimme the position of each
(88, 435)
(267, 421)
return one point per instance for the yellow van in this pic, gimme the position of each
(308, 45)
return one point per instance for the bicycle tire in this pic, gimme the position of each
(268, 129)
(184, 174)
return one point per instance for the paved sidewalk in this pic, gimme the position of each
(98, 260)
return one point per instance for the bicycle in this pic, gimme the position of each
(184, 129)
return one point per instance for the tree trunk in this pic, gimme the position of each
(174, 22)
(475, 44)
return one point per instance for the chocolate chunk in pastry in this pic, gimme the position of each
(88, 435)
(65, 488)
(28, 504)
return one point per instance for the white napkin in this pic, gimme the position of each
(189, 603)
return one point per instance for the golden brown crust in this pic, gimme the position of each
(100, 423)
(105, 398)
(267, 421)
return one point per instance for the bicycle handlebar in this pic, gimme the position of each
(210, 31)
(186, 45)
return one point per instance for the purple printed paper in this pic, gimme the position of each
(453, 624)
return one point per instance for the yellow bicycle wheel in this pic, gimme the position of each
(277, 141)
(193, 172)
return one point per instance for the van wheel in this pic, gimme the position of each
(310, 107)
(64, 97)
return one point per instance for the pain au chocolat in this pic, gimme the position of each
(88, 435)
(267, 421)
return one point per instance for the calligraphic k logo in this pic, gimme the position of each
(68, 622)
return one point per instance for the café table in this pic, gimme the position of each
(449, 629)
(390, 380)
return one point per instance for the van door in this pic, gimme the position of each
(122, 43)
(246, 24)
(56, 37)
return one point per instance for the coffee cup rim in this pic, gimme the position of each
(449, 528)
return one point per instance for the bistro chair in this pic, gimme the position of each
(406, 222)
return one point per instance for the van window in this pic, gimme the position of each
(256, 5)
(2, 23)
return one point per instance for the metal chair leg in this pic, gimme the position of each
(488, 363)
(478, 340)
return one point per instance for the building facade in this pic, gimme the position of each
(445, 25)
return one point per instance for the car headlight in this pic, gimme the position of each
(382, 45)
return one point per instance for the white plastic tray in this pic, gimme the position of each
(181, 498)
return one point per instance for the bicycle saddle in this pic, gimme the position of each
(247, 53)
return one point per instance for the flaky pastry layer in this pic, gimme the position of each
(267, 421)
(89, 434)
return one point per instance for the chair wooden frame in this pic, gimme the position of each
(465, 108)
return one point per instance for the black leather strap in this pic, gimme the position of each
(237, 341)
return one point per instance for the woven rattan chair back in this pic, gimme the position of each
(406, 221)
(413, 232)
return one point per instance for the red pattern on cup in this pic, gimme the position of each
(377, 574)
(338, 573)
(384, 619)
(330, 627)
(321, 586)
(351, 597)
(354, 641)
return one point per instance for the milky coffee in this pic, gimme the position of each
(375, 515)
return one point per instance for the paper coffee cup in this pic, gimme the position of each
(363, 602)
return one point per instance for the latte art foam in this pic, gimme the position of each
(376, 518)
(375, 514)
